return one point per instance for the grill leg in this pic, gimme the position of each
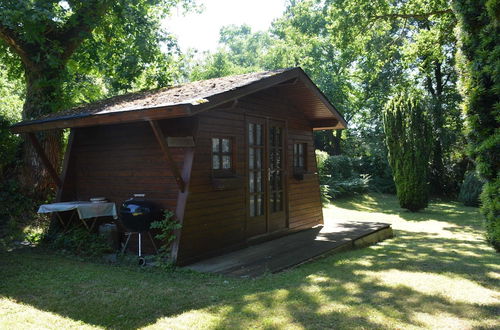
(140, 254)
(126, 242)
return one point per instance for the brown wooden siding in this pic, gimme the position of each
(215, 220)
(119, 160)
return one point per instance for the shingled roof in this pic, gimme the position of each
(171, 102)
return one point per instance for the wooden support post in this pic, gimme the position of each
(182, 201)
(45, 160)
(166, 153)
(65, 164)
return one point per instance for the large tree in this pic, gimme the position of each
(479, 35)
(57, 44)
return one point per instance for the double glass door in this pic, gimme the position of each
(266, 176)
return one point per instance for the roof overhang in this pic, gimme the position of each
(298, 86)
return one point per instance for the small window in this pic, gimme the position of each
(222, 155)
(299, 157)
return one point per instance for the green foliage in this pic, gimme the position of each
(70, 52)
(407, 138)
(167, 227)
(479, 64)
(337, 177)
(80, 242)
(471, 189)
(357, 52)
(490, 208)
(240, 51)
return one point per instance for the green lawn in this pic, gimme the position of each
(436, 273)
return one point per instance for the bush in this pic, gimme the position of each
(338, 178)
(377, 168)
(471, 190)
(80, 242)
(167, 227)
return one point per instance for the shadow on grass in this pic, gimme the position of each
(362, 288)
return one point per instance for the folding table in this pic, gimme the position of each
(85, 210)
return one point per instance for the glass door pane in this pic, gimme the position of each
(255, 169)
(276, 168)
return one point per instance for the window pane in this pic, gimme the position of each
(258, 158)
(271, 159)
(272, 135)
(259, 135)
(226, 162)
(260, 206)
(251, 183)
(226, 145)
(250, 134)
(279, 201)
(251, 158)
(259, 181)
(215, 162)
(252, 206)
(278, 158)
(215, 145)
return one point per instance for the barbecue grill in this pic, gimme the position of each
(136, 215)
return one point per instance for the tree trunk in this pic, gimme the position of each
(437, 175)
(43, 96)
(335, 142)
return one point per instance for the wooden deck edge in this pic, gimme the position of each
(373, 238)
(357, 243)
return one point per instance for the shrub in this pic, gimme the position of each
(80, 242)
(338, 178)
(166, 235)
(471, 190)
(407, 138)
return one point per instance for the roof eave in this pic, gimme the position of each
(118, 117)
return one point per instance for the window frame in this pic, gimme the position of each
(300, 169)
(223, 172)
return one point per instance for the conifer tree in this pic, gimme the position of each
(479, 65)
(407, 138)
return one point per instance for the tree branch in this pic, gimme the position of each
(81, 24)
(15, 43)
(419, 16)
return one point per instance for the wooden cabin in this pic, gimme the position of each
(233, 156)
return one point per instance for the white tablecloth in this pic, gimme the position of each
(85, 210)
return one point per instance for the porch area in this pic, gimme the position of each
(295, 249)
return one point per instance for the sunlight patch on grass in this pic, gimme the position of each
(443, 321)
(456, 289)
(15, 315)
(194, 319)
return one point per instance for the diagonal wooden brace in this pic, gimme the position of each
(167, 155)
(45, 160)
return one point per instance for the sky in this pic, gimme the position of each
(201, 30)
